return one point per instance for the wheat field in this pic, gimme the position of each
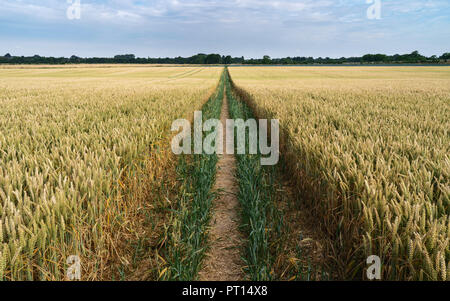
(370, 151)
(75, 146)
(86, 167)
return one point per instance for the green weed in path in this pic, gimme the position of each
(263, 215)
(187, 233)
(260, 218)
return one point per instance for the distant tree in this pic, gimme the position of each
(227, 60)
(374, 57)
(213, 59)
(415, 57)
(197, 59)
(75, 59)
(287, 61)
(125, 58)
(445, 56)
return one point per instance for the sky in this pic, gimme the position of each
(250, 28)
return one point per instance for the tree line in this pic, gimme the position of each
(215, 59)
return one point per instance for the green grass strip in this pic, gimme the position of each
(260, 218)
(187, 240)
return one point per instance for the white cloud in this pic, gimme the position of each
(286, 27)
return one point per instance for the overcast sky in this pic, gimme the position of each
(250, 28)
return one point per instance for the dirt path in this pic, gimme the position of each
(223, 261)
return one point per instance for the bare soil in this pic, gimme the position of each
(223, 261)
